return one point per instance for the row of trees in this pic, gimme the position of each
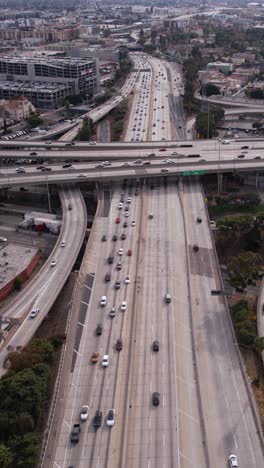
(87, 130)
(206, 122)
(23, 392)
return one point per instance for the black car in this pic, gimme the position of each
(99, 329)
(123, 236)
(119, 345)
(196, 247)
(155, 345)
(45, 169)
(119, 265)
(155, 398)
(152, 187)
(125, 225)
(117, 285)
(65, 166)
(198, 219)
(108, 276)
(97, 419)
(110, 259)
(40, 167)
(114, 238)
(104, 238)
(244, 147)
(33, 153)
(75, 433)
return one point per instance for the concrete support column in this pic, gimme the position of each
(219, 182)
(257, 180)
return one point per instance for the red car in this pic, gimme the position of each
(117, 220)
(129, 252)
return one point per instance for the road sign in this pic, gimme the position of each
(187, 173)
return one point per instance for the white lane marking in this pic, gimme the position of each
(88, 287)
(56, 464)
(82, 324)
(186, 382)
(183, 347)
(66, 424)
(77, 352)
(188, 415)
(186, 458)
(163, 439)
(85, 303)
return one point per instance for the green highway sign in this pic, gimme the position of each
(186, 173)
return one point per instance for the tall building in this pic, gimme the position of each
(47, 81)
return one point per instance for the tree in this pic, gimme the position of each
(257, 125)
(141, 37)
(256, 94)
(258, 346)
(243, 268)
(6, 456)
(210, 89)
(5, 127)
(106, 32)
(26, 449)
(34, 120)
(86, 131)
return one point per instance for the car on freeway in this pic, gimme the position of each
(105, 361)
(104, 238)
(117, 285)
(3, 239)
(112, 312)
(117, 220)
(81, 174)
(225, 142)
(123, 236)
(53, 262)
(199, 219)
(232, 460)
(34, 312)
(127, 279)
(257, 157)
(120, 251)
(119, 265)
(123, 306)
(99, 329)
(84, 413)
(92, 143)
(156, 398)
(110, 418)
(103, 301)
(107, 276)
(164, 169)
(63, 243)
(150, 215)
(133, 223)
(196, 247)
(33, 153)
(129, 252)
(126, 214)
(97, 421)
(125, 225)
(75, 433)
(244, 147)
(129, 200)
(155, 345)
(66, 166)
(119, 344)
(46, 169)
(110, 259)
(120, 205)
(94, 357)
(114, 238)
(241, 156)
(162, 149)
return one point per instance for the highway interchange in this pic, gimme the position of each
(206, 410)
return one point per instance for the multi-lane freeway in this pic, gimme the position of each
(173, 377)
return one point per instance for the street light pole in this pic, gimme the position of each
(218, 174)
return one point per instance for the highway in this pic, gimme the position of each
(42, 291)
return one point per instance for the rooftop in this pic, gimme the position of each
(32, 86)
(14, 259)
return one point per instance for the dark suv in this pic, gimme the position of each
(75, 433)
(119, 345)
(99, 329)
(110, 259)
(97, 419)
(155, 398)
(155, 345)
(107, 276)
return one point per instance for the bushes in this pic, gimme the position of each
(22, 394)
(244, 323)
(118, 114)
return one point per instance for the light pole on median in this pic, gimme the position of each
(218, 174)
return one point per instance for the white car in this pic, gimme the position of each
(129, 200)
(123, 306)
(53, 263)
(3, 239)
(120, 206)
(225, 142)
(103, 301)
(84, 413)
(34, 312)
(63, 243)
(126, 214)
(81, 175)
(232, 460)
(110, 418)
(92, 143)
(127, 279)
(120, 251)
(105, 361)
(133, 223)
